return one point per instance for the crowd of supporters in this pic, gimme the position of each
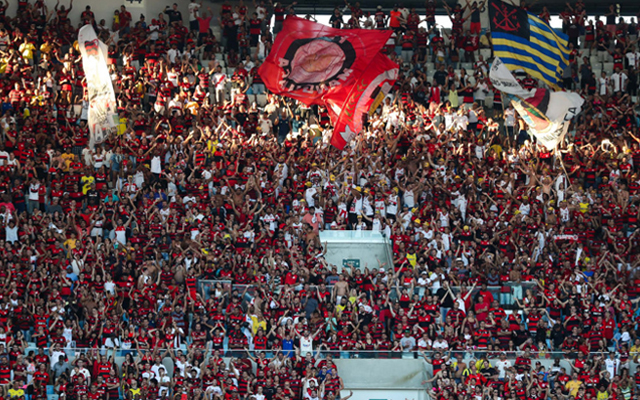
(102, 249)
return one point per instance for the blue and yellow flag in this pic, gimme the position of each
(522, 40)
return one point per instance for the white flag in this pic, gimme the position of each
(548, 124)
(503, 80)
(103, 115)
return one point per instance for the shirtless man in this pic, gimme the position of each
(340, 289)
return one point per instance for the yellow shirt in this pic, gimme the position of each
(86, 183)
(122, 126)
(46, 47)
(584, 207)
(635, 350)
(412, 258)
(602, 395)
(255, 324)
(68, 159)
(212, 145)
(498, 150)
(70, 243)
(482, 365)
(16, 392)
(26, 49)
(453, 98)
(573, 387)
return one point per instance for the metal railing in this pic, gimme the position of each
(322, 353)
(505, 298)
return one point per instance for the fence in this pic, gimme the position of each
(466, 354)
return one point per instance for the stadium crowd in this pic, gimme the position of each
(103, 248)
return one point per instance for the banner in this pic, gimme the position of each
(365, 96)
(547, 113)
(570, 238)
(103, 114)
(522, 40)
(342, 69)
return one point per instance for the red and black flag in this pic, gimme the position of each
(342, 69)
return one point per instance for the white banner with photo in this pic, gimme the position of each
(103, 114)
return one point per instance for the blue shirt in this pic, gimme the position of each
(288, 345)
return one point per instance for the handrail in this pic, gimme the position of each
(322, 353)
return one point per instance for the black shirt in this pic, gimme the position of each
(174, 15)
(440, 77)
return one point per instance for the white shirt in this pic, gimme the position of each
(461, 122)
(156, 368)
(633, 59)
(612, 366)
(409, 198)
(55, 356)
(619, 81)
(173, 54)
(110, 287)
(272, 220)
(604, 82)
(502, 367)
(11, 234)
(161, 380)
(156, 166)
(473, 117)
(194, 9)
(392, 204)
(308, 195)
(509, 117)
(219, 80)
(121, 234)
(33, 191)
(440, 344)
(481, 91)
(306, 345)
(84, 372)
(154, 29)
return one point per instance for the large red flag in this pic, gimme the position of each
(342, 69)
(346, 114)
